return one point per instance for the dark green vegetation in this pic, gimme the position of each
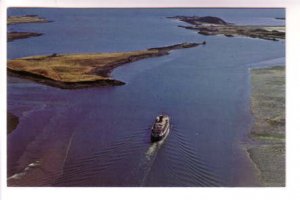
(12, 122)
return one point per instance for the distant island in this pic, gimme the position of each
(11, 36)
(216, 26)
(12, 20)
(72, 71)
(26, 19)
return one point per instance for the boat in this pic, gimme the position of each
(160, 128)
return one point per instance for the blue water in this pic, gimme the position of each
(100, 136)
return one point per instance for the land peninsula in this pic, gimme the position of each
(11, 36)
(216, 26)
(12, 20)
(268, 132)
(72, 71)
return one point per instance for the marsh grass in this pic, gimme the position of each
(268, 107)
(74, 67)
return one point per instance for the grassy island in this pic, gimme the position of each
(26, 19)
(12, 20)
(215, 26)
(268, 107)
(70, 71)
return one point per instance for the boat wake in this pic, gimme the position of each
(186, 164)
(150, 157)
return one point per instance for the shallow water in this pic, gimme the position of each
(101, 136)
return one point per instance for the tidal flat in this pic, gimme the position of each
(268, 107)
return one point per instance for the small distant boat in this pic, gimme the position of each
(160, 128)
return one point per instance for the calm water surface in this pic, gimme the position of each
(100, 136)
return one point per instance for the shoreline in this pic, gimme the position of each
(75, 71)
(267, 150)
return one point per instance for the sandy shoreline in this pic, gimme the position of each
(268, 131)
